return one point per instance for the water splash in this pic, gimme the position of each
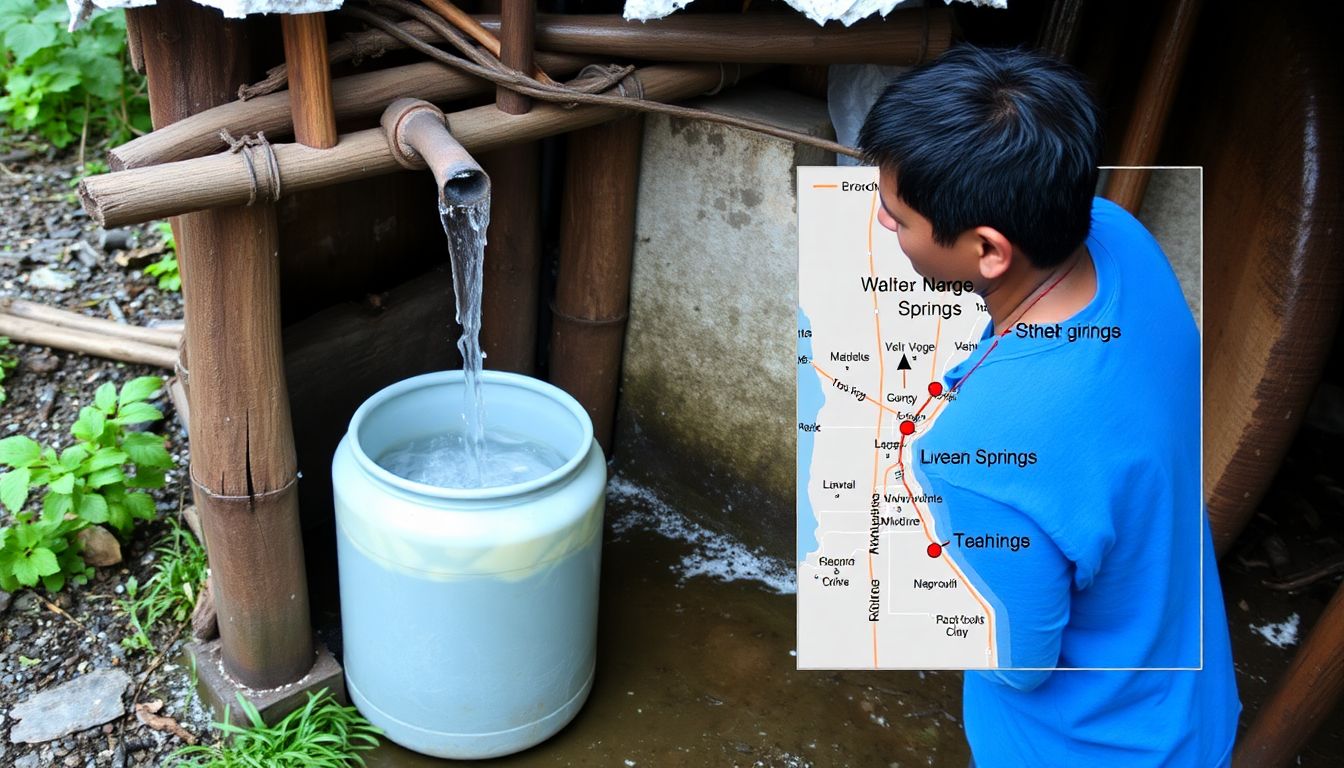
(465, 227)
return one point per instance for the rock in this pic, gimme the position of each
(84, 702)
(99, 547)
(49, 279)
(42, 362)
(27, 761)
(4, 601)
(84, 252)
(115, 239)
(26, 602)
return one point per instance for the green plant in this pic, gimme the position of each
(7, 363)
(86, 484)
(68, 86)
(323, 734)
(166, 268)
(171, 592)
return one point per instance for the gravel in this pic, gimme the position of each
(49, 640)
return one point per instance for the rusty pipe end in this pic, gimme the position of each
(417, 133)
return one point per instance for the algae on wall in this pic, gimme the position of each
(708, 386)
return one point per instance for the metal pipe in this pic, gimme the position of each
(417, 133)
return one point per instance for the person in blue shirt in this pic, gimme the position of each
(1087, 533)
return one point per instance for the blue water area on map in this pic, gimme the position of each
(810, 399)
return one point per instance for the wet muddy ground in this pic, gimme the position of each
(696, 670)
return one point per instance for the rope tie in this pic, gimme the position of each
(245, 146)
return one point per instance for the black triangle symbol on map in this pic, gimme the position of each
(904, 365)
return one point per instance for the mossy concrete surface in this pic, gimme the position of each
(708, 387)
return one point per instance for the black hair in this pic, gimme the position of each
(1002, 138)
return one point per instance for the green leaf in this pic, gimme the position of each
(63, 484)
(93, 508)
(146, 477)
(26, 39)
(44, 561)
(137, 413)
(105, 476)
(118, 517)
(140, 505)
(19, 451)
(54, 582)
(14, 489)
(55, 505)
(139, 389)
(89, 426)
(105, 399)
(73, 456)
(25, 571)
(104, 458)
(147, 450)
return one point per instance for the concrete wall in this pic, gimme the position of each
(708, 382)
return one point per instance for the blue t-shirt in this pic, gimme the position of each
(1092, 453)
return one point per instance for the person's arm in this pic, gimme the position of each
(1033, 585)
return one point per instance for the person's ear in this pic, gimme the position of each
(995, 252)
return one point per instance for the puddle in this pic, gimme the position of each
(696, 668)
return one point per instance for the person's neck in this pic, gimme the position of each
(1019, 298)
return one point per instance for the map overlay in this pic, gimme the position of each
(879, 583)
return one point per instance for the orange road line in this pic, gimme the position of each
(867, 399)
(825, 186)
(881, 377)
(989, 616)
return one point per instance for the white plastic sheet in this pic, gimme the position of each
(820, 11)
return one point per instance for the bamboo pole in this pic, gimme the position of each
(310, 100)
(243, 466)
(143, 194)
(592, 294)
(1304, 696)
(1157, 91)
(903, 37)
(487, 40)
(353, 97)
(515, 50)
(88, 342)
(66, 319)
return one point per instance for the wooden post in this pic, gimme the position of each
(309, 79)
(1304, 696)
(596, 247)
(513, 248)
(517, 26)
(1157, 91)
(242, 449)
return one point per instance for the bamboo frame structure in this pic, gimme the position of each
(1148, 122)
(592, 294)
(310, 99)
(142, 194)
(353, 97)
(243, 464)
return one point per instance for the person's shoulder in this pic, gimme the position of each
(1111, 223)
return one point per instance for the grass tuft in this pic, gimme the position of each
(172, 591)
(323, 734)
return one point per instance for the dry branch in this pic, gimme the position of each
(87, 342)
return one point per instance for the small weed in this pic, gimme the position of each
(170, 593)
(323, 734)
(25, 662)
(86, 484)
(7, 363)
(65, 86)
(166, 268)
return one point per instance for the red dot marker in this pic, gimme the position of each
(935, 550)
(907, 427)
(935, 388)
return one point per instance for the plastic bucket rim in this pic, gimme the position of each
(544, 388)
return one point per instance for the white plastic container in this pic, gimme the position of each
(469, 616)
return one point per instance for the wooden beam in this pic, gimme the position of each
(143, 194)
(310, 99)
